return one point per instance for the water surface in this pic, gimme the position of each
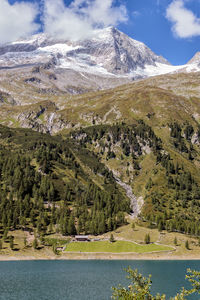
(84, 280)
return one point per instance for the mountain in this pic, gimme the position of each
(109, 52)
(108, 59)
(44, 67)
(89, 145)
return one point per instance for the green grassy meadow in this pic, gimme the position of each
(116, 247)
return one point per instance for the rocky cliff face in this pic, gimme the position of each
(116, 52)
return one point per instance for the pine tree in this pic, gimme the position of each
(112, 239)
(11, 241)
(54, 248)
(109, 224)
(71, 226)
(35, 243)
(25, 242)
(102, 226)
(133, 225)
(5, 234)
(1, 244)
(160, 226)
(147, 239)
(50, 227)
(187, 246)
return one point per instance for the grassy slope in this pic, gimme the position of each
(164, 98)
(165, 238)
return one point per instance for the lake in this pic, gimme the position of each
(84, 280)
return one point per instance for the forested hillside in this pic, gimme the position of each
(161, 168)
(51, 184)
(69, 184)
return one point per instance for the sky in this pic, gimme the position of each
(171, 28)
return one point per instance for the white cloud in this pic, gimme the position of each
(75, 21)
(81, 17)
(63, 22)
(185, 23)
(17, 20)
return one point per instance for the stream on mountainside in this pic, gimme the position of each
(135, 206)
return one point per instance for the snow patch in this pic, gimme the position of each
(58, 48)
(82, 66)
(161, 69)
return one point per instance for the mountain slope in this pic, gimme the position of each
(51, 183)
(142, 137)
(91, 172)
(162, 168)
(158, 100)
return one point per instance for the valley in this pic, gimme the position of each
(89, 145)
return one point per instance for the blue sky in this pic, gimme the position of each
(150, 25)
(171, 28)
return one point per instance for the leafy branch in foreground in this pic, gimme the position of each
(140, 287)
(194, 279)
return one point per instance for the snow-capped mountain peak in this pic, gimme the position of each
(109, 49)
(108, 53)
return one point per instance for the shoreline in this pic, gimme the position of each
(99, 256)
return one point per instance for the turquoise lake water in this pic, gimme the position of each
(84, 280)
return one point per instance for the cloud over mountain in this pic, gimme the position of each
(74, 21)
(17, 20)
(79, 19)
